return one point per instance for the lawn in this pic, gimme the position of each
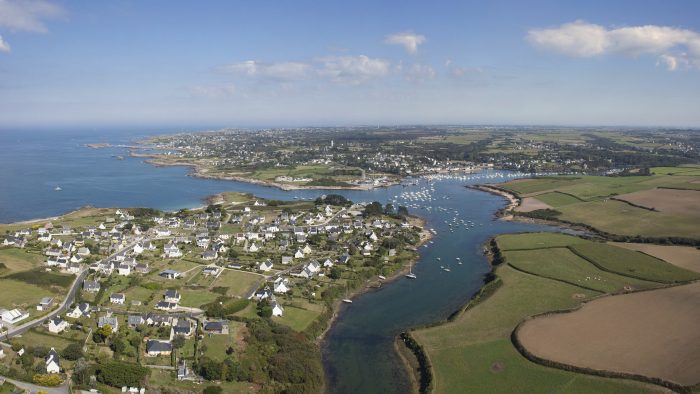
(564, 265)
(16, 293)
(239, 283)
(216, 344)
(296, 318)
(196, 297)
(632, 263)
(59, 342)
(536, 241)
(16, 259)
(161, 378)
(557, 199)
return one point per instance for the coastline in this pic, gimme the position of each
(197, 171)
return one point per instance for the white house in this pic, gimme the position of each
(57, 325)
(299, 254)
(277, 309)
(124, 269)
(172, 251)
(266, 265)
(306, 249)
(80, 310)
(52, 362)
(117, 298)
(280, 286)
(253, 248)
(172, 296)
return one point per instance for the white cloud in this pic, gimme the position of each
(419, 72)
(213, 91)
(352, 69)
(27, 15)
(283, 71)
(4, 46)
(582, 39)
(408, 40)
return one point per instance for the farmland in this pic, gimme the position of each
(474, 350)
(681, 256)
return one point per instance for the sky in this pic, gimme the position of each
(326, 63)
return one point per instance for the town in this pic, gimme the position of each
(172, 298)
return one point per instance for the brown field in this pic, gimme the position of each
(652, 333)
(681, 202)
(683, 256)
(529, 204)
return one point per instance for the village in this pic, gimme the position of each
(173, 291)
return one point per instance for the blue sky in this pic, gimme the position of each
(288, 63)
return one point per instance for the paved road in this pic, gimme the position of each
(62, 389)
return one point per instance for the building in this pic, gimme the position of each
(156, 348)
(108, 320)
(80, 310)
(277, 309)
(214, 327)
(45, 304)
(172, 296)
(52, 362)
(135, 320)
(57, 325)
(170, 274)
(91, 286)
(117, 298)
(13, 316)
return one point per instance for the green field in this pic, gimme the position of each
(239, 283)
(296, 318)
(216, 344)
(632, 263)
(16, 259)
(195, 298)
(587, 200)
(47, 340)
(683, 170)
(474, 350)
(536, 241)
(563, 264)
(16, 293)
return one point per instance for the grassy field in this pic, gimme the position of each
(197, 297)
(161, 378)
(536, 241)
(16, 293)
(474, 350)
(216, 344)
(562, 264)
(631, 263)
(557, 199)
(296, 318)
(16, 259)
(59, 342)
(239, 283)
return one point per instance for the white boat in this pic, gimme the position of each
(410, 274)
(347, 301)
(382, 277)
(58, 188)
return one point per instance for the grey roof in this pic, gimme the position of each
(213, 326)
(158, 346)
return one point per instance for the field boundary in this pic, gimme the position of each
(554, 279)
(652, 209)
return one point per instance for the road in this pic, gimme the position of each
(69, 298)
(62, 389)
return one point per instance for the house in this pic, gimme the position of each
(313, 266)
(210, 271)
(170, 274)
(214, 327)
(277, 309)
(153, 319)
(328, 263)
(108, 320)
(162, 232)
(183, 327)
(124, 269)
(280, 286)
(261, 295)
(166, 306)
(52, 362)
(172, 251)
(203, 242)
(45, 304)
(344, 259)
(299, 254)
(83, 252)
(57, 325)
(142, 268)
(13, 316)
(117, 298)
(156, 348)
(210, 255)
(266, 265)
(182, 371)
(74, 267)
(306, 249)
(80, 310)
(253, 248)
(172, 296)
(286, 259)
(91, 286)
(135, 320)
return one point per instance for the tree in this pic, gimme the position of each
(403, 211)
(118, 345)
(119, 374)
(373, 209)
(178, 341)
(81, 372)
(48, 380)
(389, 209)
(336, 272)
(72, 352)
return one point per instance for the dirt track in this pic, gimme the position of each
(653, 333)
(672, 201)
(683, 256)
(529, 204)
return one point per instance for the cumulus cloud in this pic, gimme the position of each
(283, 71)
(352, 69)
(408, 40)
(672, 46)
(27, 15)
(4, 46)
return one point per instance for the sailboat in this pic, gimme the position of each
(346, 299)
(57, 188)
(410, 274)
